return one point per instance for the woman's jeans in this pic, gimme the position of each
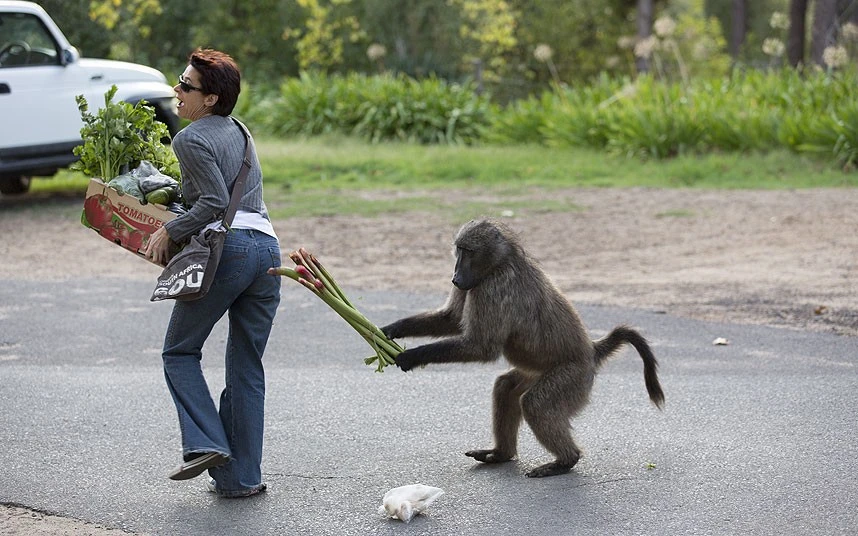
(250, 296)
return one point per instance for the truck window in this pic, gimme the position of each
(24, 41)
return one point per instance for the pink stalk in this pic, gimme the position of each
(304, 273)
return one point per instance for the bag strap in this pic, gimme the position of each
(238, 187)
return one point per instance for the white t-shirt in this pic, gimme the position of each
(253, 220)
(248, 220)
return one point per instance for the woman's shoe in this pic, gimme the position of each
(211, 486)
(194, 467)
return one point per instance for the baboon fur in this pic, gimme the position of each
(502, 303)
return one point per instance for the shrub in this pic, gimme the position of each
(378, 108)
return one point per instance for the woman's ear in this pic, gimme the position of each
(210, 100)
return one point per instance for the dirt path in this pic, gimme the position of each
(784, 258)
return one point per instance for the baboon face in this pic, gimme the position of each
(480, 248)
(464, 276)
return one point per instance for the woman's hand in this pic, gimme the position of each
(158, 248)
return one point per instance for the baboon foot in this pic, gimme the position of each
(488, 456)
(550, 469)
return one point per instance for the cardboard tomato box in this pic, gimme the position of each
(121, 218)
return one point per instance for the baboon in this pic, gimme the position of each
(502, 302)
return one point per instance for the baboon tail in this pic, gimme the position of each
(620, 335)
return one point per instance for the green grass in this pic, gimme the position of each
(324, 176)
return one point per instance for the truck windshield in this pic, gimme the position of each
(24, 41)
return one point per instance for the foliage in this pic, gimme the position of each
(582, 35)
(666, 125)
(130, 19)
(700, 40)
(810, 112)
(91, 38)
(272, 39)
(326, 29)
(844, 125)
(684, 43)
(491, 26)
(120, 136)
(758, 13)
(419, 38)
(521, 121)
(588, 95)
(252, 32)
(378, 108)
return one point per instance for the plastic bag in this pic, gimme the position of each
(150, 179)
(142, 180)
(127, 184)
(405, 502)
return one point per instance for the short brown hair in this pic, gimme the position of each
(219, 75)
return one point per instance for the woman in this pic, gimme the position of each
(228, 441)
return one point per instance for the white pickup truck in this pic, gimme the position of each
(40, 75)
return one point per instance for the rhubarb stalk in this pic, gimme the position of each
(313, 276)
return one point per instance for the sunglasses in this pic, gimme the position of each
(186, 87)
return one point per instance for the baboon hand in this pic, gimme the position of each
(408, 360)
(392, 331)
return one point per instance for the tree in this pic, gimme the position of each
(738, 27)
(586, 38)
(824, 30)
(327, 28)
(420, 37)
(489, 28)
(130, 21)
(251, 32)
(796, 33)
(90, 38)
(644, 27)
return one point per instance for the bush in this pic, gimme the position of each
(811, 112)
(377, 108)
(806, 112)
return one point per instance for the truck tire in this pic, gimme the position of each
(14, 185)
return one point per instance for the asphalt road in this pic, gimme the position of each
(757, 437)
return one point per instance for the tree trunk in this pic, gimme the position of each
(824, 31)
(645, 9)
(795, 35)
(847, 11)
(739, 27)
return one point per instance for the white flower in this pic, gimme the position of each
(376, 51)
(626, 41)
(628, 91)
(850, 31)
(542, 53)
(645, 47)
(703, 49)
(664, 26)
(835, 56)
(774, 47)
(779, 21)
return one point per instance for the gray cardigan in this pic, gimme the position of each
(210, 152)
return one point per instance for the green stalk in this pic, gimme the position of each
(386, 349)
(355, 318)
(312, 264)
(328, 279)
